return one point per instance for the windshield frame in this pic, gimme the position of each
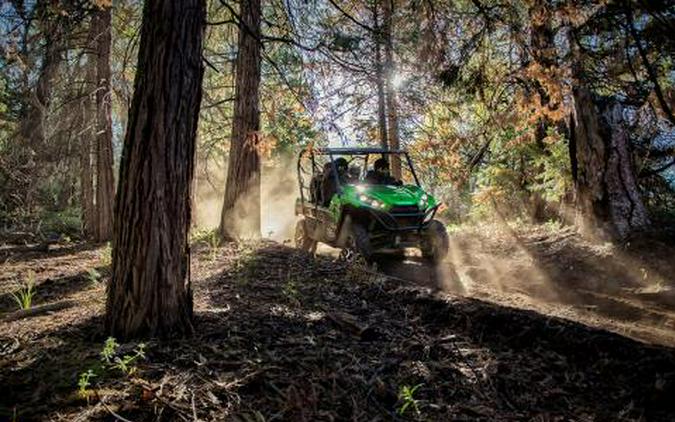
(333, 154)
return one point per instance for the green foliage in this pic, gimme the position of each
(554, 181)
(210, 238)
(407, 400)
(110, 361)
(65, 222)
(24, 295)
(521, 169)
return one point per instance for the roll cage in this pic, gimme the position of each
(333, 153)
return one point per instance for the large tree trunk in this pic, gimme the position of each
(150, 293)
(241, 207)
(390, 72)
(608, 200)
(105, 183)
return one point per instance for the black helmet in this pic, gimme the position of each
(341, 164)
(381, 164)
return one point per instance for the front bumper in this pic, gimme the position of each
(404, 221)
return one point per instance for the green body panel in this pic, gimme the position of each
(387, 196)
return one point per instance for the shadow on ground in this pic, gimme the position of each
(283, 336)
(21, 253)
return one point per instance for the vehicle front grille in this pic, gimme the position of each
(408, 221)
(404, 209)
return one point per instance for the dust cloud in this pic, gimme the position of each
(278, 193)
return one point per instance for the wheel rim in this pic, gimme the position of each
(349, 252)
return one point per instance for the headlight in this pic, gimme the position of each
(424, 199)
(371, 202)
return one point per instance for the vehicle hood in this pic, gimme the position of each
(393, 195)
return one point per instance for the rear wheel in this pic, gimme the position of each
(302, 239)
(357, 244)
(436, 242)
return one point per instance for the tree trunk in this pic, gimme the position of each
(543, 52)
(150, 294)
(390, 72)
(86, 165)
(32, 130)
(608, 200)
(379, 81)
(105, 184)
(87, 115)
(241, 207)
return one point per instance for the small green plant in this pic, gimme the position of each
(109, 361)
(210, 238)
(213, 242)
(93, 275)
(109, 349)
(406, 395)
(24, 296)
(84, 382)
(124, 363)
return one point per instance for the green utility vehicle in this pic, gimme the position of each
(345, 206)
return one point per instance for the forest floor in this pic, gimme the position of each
(530, 324)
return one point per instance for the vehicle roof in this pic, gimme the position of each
(347, 151)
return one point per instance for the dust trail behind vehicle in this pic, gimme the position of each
(625, 289)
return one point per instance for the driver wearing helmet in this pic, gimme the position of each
(329, 186)
(379, 175)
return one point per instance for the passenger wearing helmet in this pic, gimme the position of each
(379, 175)
(329, 185)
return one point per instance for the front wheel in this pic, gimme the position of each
(436, 243)
(302, 239)
(356, 244)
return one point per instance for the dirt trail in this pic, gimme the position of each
(282, 335)
(629, 290)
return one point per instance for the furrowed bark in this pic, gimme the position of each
(608, 200)
(149, 293)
